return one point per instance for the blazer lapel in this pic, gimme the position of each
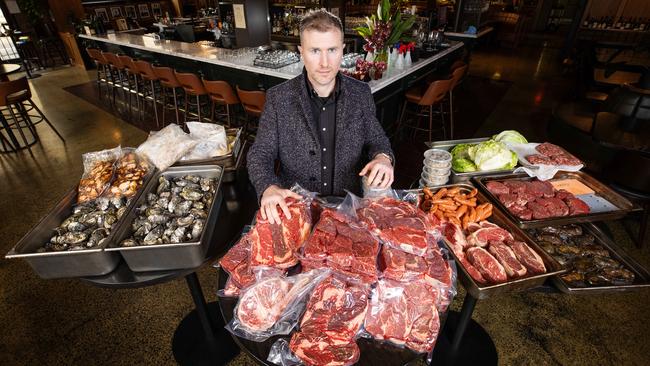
(303, 98)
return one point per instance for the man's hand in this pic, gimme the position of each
(271, 198)
(379, 171)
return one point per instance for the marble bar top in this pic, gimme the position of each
(244, 61)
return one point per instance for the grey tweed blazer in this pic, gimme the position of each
(287, 134)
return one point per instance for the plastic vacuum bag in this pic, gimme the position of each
(166, 146)
(273, 305)
(99, 167)
(130, 171)
(211, 141)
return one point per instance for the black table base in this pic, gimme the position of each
(191, 347)
(476, 347)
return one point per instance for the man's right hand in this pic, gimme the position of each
(275, 196)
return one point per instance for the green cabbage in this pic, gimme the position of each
(460, 151)
(463, 165)
(510, 136)
(492, 155)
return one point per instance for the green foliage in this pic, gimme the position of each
(390, 14)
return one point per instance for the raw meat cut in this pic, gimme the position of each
(275, 244)
(507, 258)
(527, 257)
(515, 186)
(539, 159)
(339, 244)
(548, 149)
(555, 206)
(550, 154)
(482, 236)
(404, 314)
(262, 304)
(237, 263)
(577, 206)
(489, 267)
(333, 317)
(540, 188)
(402, 266)
(539, 211)
(458, 243)
(522, 212)
(497, 188)
(398, 223)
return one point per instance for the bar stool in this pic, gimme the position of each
(115, 66)
(432, 96)
(130, 72)
(16, 94)
(221, 93)
(101, 64)
(167, 80)
(457, 75)
(193, 87)
(148, 76)
(253, 103)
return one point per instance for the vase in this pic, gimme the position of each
(399, 63)
(369, 56)
(382, 55)
(407, 60)
(391, 59)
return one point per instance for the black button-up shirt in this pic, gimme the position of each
(324, 112)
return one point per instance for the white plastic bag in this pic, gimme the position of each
(540, 171)
(211, 141)
(99, 167)
(273, 305)
(165, 147)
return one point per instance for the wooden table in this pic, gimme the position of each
(6, 69)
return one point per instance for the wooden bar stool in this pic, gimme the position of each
(221, 93)
(168, 80)
(115, 66)
(102, 65)
(131, 73)
(425, 101)
(148, 77)
(253, 104)
(457, 75)
(193, 87)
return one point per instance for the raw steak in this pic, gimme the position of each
(508, 199)
(507, 258)
(275, 245)
(555, 206)
(524, 197)
(515, 186)
(538, 159)
(487, 265)
(522, 212)
(398, 223)
(458, 243)
(405, 314)
(548, 149)
(563, 194)
(577, 206)
(237, 263)
(540, 188)
(497, 188)
(338, 244)
(333, 317)
(402, 266)
(481, 237)
(539, 211)
(527, 257)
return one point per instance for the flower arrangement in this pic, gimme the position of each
(384, 28)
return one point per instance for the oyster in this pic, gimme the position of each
(191, 194)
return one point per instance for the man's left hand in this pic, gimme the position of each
(379, 171)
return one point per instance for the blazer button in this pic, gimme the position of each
(312, 179)
(312, 152)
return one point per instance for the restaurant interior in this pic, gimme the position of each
(84, 76)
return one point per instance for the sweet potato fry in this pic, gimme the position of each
(461, 211)
(439, 215)
(453, 191)
(465, 221)
(441, 193)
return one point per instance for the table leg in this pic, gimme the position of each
(465, 316)
(201, 309)
(10, 133)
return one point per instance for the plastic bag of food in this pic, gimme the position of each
(275, 245)
(211, 141)
(166, 146)
(329, 327)
(273, 305)
(236, 262)
(98, 173)
(130, 171)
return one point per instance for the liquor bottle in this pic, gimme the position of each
(585, 23)
(618, 24)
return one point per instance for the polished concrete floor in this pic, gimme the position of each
(72, 322)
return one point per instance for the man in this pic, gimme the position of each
(320, 126)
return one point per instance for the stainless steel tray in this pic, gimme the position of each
(624, 206)
(170, 256)
(642, 276)
(458, 177)
(77, 263)
(553, 268)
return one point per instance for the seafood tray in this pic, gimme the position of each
(457, 177)
(621, 204)
(160, 257)
(230, 162)
(70, 263)
(553, 268)
(641, 275)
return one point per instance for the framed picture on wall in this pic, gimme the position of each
(155, 9)
(130, 12)
(116, 12)
(143, 9)
(102, 14)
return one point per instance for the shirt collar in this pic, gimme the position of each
(312, 92)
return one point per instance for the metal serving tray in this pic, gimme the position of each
(624, 206)
(457, 177)
(641, 275)
(553, 268)
(170, 256)
(76, 263)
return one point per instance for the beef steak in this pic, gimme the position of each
(508, 260)
(497, 188)
(528, 257)
(487, 265)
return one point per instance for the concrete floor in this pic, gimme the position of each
(72, 322)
